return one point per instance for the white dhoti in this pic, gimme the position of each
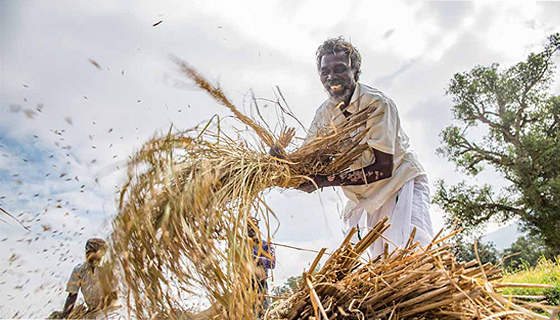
(406, 209)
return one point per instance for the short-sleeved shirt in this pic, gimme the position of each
(266, 256)
(90, 282)
(384, 134)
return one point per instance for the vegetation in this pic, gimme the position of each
(545, 272)
(509, 121)
(527, 251)
(524, 253)
(407, 283)
(487, 252)
(290, 286)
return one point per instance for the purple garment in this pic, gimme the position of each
(267, 256)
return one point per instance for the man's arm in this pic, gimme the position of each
(381, 169)
(69, 304)
(73, 287)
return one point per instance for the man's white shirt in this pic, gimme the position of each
(384, 134)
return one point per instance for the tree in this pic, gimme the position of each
(290, 286)
(526, 250)
(507, 120)
(487, 252)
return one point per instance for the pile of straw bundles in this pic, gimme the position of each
(408, 283)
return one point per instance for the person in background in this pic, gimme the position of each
(97, 285)
(265, 258)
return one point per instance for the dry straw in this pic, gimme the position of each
(181, 229)
(184, 208)
(408, 283)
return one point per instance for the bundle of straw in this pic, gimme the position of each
(408, 283)
(183, 211)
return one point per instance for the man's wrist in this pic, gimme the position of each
(327, 180)
(276, 152)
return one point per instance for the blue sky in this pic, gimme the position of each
(92, 118)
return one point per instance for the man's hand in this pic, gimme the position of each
(276, 152)
(320, 180)
(283, 141)
(286, 137)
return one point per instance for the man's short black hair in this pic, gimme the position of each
(95, 244)
(336, 45)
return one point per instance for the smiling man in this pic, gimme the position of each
(387, 180)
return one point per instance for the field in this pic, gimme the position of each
(546, 272)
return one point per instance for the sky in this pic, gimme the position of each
(67, 126)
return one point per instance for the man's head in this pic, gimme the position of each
(338, 63)
(95, 250)
(252, 227)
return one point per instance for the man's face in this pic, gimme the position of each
(252, 227)
(337, 76)
(94, 258)
(251, 232)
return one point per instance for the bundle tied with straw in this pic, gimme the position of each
(183, 211)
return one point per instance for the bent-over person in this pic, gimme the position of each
(265, 259)
(387, 179)
(97, 285)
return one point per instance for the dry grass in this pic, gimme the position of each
(408, 283)
(183, 210)
(182, 227)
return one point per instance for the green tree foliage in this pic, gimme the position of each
(290, 286)
(487, 252)
(526, 251)
(508, 120)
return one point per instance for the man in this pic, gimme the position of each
(265, 258)
(97, 284)
(387, 180)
